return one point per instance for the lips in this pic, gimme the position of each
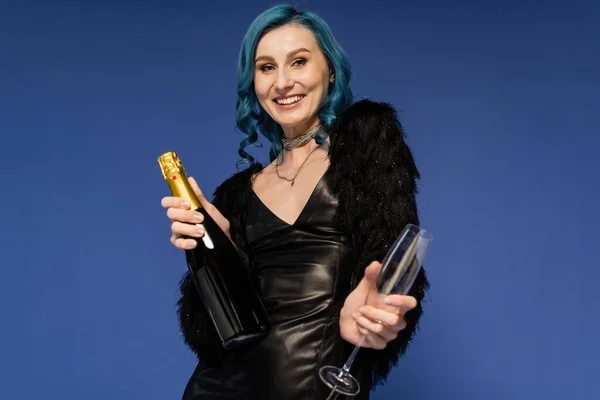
(287, 100)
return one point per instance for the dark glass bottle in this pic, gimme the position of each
(215, 267)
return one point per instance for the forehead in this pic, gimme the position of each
(286, 38)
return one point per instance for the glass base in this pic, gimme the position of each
(339, 380)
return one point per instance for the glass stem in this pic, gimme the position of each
(348, 365)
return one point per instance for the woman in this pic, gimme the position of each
(311, 225)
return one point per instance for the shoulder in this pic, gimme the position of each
(238, 180)
(232, 188)
(365, 121)
(369, 137)
(368, 113)
(367, 128)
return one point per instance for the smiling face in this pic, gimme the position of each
(291, 78)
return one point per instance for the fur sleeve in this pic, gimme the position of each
(197, 330)
(377, 183)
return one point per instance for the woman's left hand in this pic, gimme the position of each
(367, 313)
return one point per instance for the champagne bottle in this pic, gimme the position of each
(215, 267)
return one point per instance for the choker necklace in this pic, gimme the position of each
(293, 143)
(299, 141)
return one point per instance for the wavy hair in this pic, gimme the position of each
(250, 116)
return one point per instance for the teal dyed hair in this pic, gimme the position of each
(250, 116)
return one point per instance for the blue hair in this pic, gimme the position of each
(250, 116)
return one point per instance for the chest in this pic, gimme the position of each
(285, 200)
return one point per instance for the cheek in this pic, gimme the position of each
(262, 92)
(320, 90)
(319, 83)
(326, 87)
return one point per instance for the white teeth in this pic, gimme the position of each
(289, 100)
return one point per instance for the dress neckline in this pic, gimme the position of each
(312, 194)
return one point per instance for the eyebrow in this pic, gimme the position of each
(290, 55)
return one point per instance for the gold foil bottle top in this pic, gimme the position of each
(174, 173)
(170, 163)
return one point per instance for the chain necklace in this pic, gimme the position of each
(301, 140)
(293, 179)
(292, 143)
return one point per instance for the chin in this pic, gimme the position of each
(293, 119)
(287, 121)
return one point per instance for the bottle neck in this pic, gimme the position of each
(180, 187)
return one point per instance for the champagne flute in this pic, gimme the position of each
(399, 269)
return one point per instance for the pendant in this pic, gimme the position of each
(293, 180)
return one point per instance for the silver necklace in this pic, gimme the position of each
(293, 143)
(292, 180)
(301, 140)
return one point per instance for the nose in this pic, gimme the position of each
(283, 81)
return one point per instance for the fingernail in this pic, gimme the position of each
(198, 217)
(388, 300)
(355, 315)
(363, 309)
(185, 204)
(200, 231)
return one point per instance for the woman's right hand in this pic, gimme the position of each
(184, 221)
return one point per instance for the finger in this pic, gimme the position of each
(377, 314)
(197, 190)
(184, 244)
(375, 328)
(371, 340)
(183, 229)
(193, 217)
(404, 302)
(175, 202)
(370, 275)
(375, 341)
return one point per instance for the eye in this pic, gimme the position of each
(266, 68)
(299, 62)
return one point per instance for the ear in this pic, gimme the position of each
(331, 77)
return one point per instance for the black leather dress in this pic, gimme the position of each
(295, 268)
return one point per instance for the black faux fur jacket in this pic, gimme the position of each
(375, 178)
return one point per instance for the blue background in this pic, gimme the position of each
(500, 102)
